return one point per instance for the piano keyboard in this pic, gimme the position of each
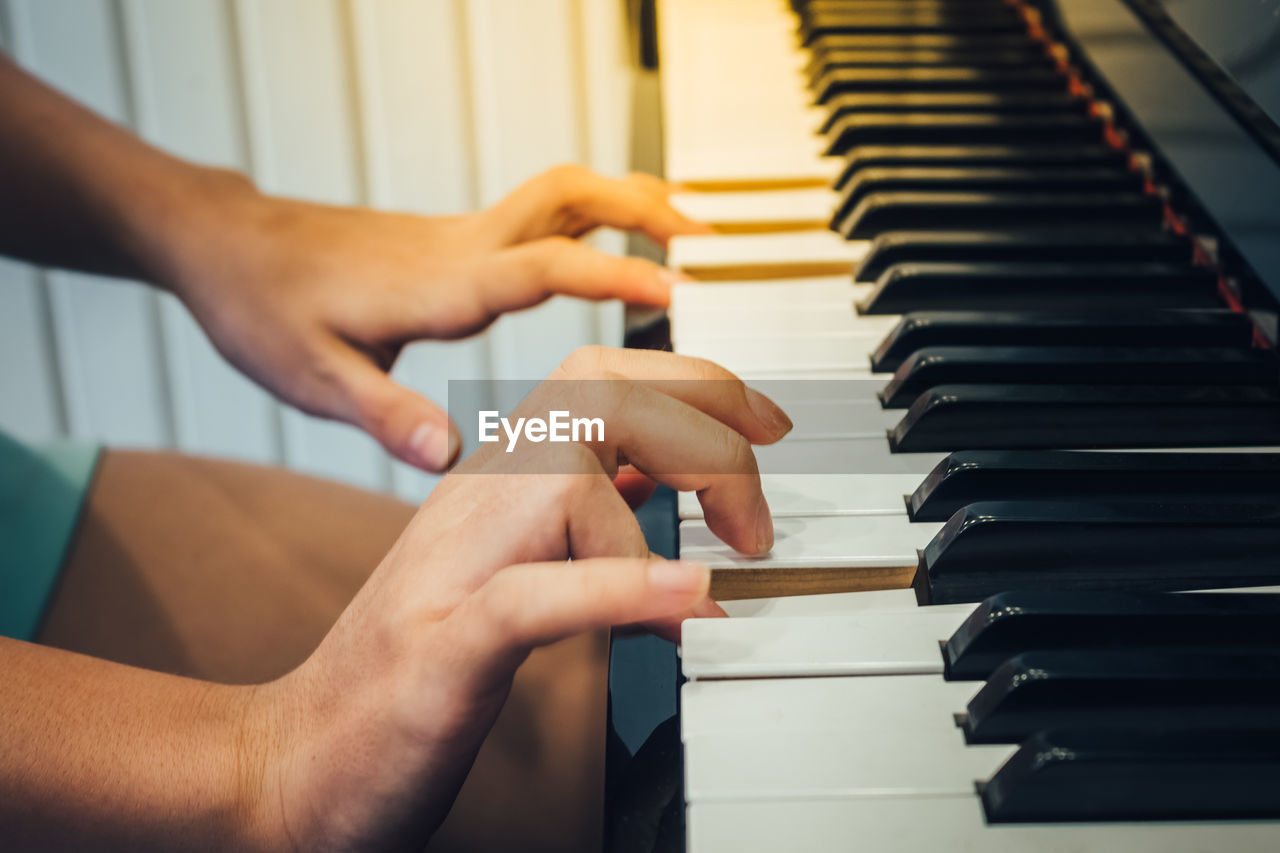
(1038, 404)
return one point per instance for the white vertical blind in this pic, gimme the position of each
(428, 106)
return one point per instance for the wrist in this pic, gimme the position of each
(183, 226)
(263, 732)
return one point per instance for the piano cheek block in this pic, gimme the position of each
(990, 547)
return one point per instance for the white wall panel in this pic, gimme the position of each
(30, 390)
(430, 107)
(111, 363)
(526, 70)
(304, 143)
(183, 81)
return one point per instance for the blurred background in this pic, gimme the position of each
(428, 106)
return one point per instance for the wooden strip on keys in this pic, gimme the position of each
(813, 555)
(737, 257)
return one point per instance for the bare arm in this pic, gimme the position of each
(311, 301)
(95, 754)
(82, 193)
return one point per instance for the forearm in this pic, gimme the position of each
(95, 754)
(83, 193)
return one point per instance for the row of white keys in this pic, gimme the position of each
(915, 824)
(735, 109)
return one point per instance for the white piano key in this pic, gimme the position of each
(876, 642)
(829, 604)
(886, 706)
(867, 541)
(795, 353)
(848, 763)
(825, 494)
(819, 250)
(845, 455)
(916, 824)
(823, 290)
(812, 206)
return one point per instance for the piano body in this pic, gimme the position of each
(1013, 268)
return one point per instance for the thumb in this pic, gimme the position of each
(411, 427)
(539, 603)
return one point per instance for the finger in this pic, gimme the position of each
(685, 448)
(638, 202)
(666, 439)
(536, 604)
(411, 427)
(532, 272)
(702, 384)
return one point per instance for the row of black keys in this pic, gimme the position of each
(1126, 707)
(966, 94)
(948, 112)
(1078, 380)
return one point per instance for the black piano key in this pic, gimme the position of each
(1002, 22)
(898, 211)
(841, 81)
(1040, 287)
(970, 476)
(1031, 417)
(982, 179)
(1011, 623)
(996, 103)
(1135, 691)
(861, 129)
(822, 46)
(1086, 244)
(969, 156)
(1193, 328)
(997, 546)
(1009, 61)
(1088, 365)
(1123, 775)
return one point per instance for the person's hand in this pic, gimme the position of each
(315, 303)
(365, 745)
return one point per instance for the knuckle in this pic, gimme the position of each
(739, 458)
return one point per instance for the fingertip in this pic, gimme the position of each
(764, 527)
(769, 414)
(434, 447)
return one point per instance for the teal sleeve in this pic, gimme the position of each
(42, 490)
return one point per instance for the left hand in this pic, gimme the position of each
(316, 302)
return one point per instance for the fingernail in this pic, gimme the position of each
(764, 527)
(432, 446)
(678, 576)
(774, 419)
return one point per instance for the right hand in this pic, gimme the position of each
(366, 745)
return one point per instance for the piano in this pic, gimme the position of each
(1012, 267)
